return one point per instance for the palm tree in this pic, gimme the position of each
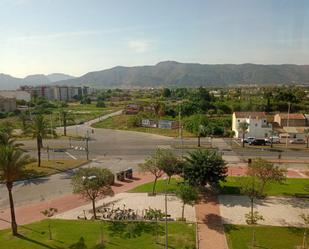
(39, 130)
(12, 164)
(243, 127)
(306, 131)
(23, 118)
(64, 118)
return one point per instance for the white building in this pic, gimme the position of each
(258, 125)
(18, 95)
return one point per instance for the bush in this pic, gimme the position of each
(100, 104)
(133, 121)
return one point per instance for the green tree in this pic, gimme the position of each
(65, 117)
(260, 173)
(204, 167)
(166, 92)
(100, 104)
(168, 162)
(92, 183)
(151, 165)
(188, 195)
(39, 130)
(12, 167)
(198, 125)
(243, 127)
(24, 119)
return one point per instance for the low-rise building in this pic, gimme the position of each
(290, 119)
(7, 104)
(18, 95)
(258, 126)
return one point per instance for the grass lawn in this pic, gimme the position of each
(120, 123)
(52, 166)
(87, 234)
(267, 237)
(290, 187)
(160, 187)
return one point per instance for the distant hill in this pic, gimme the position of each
(171, 73)
(8, 82)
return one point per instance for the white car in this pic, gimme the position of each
(297, 141)
(274, 140)
(248, 139)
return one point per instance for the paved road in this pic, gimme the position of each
(108, 148)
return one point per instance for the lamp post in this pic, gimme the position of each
(165, 200)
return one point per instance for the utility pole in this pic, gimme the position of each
(166, 227)
(287, 124)
(180, 129)
(47, 149)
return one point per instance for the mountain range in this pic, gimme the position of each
(172, 73)
(9, 82)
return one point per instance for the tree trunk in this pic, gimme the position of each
(65, 127)
(39, 151)
(93, 209)
(183, 212)
(243, 140)
(252, 201)
(9, 186)
(50, 232)
(198, 141)
(169, 179)
(154, 186)
(271, 142)
(307, 141)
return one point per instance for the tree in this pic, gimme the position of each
(12, 167)
(198, 125)
(305, 219)
(65, 117)
(259, 174)
(243, 127)
(204, 167)
(188, 195)
(266, 172)
(168, 162)
(306, 131)
(92, 183)
(24, 119)
(151, 165)
(272, 133)
(49, 213)
(100, 104)
(39, 130)
(166, 92)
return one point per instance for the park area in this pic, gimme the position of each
(267, 237)
(97, 234)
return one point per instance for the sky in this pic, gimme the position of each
(78, 36)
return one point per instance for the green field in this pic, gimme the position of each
(87, 234)
(290, 187)
(160, 187)
(267, 237)
(120, 123)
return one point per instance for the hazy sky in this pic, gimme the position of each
(77, 36)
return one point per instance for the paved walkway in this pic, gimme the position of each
(210, 229)
(32, 212)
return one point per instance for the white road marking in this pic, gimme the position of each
(70, 155)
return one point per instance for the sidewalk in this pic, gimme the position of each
(32, 212)
(210, 229)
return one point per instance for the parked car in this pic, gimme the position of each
(274, 140)
(258, 141)
(248, 139)
(297, 141)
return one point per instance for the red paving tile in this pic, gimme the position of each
(210, 229)
(32, 212)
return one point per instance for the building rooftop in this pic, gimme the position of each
(291, 116)
(256, 115)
